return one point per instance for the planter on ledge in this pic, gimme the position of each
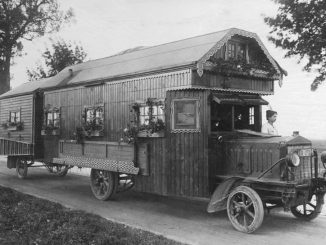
(145, 134)
(50, 132)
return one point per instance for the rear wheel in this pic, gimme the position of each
(245, 209)
(104, 184)
(309, 210)
(21, 168)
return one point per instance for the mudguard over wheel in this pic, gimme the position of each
(245, 209)
(310, 210)
(104, 184)
(21, 168)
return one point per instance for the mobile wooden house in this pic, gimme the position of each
(174, 119)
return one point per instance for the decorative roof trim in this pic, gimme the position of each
(230, 33)
(220, 89)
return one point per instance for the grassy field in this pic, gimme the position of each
(28, 220)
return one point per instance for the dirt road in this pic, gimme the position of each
(184, 221)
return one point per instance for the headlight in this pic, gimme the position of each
(323, 157)
(293, 159)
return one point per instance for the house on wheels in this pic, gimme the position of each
(175, 119)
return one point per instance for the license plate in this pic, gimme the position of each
(305, 152)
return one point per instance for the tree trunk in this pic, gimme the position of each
(5, 75)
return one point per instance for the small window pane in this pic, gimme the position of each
(12, 116)
(185, 115)
(17, 116)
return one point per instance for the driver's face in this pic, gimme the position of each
(273, 118)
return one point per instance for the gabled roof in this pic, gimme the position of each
(191, 52)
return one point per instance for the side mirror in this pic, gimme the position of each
(323, 157)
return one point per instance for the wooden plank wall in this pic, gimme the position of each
(174, 169)
(211, 80)
(187, 153)
(25, 104)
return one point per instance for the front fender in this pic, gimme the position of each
(221, 193)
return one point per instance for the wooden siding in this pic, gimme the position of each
(25, 105)
(187, 152)
(211, 80)
(178, 161)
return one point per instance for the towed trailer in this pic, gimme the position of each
(178, 119)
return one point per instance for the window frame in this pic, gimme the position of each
(52, 111)
(237, 48)
(95, 123)
(196, 124)
(15, 112)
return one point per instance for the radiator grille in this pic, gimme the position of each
(306, 168)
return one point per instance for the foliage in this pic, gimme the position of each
(59, 56)
(25, 20)
(241, 67)
(7, 124)
(300, 28)
(28, 220)
(154, 124)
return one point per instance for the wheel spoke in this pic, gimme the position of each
(236, 204)
(251, 214)
(249, 205)
(243, 198)
(313, 206)
(245, 220)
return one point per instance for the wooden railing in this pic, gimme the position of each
(15, 148)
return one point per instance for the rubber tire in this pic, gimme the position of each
(111, 184)
(257, 206)
(21, 168)
(314, 214)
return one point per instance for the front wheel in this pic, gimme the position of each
(104, 184)
(21, 168)
(245, 209)
(309, 210)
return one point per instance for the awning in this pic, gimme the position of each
(239, 99)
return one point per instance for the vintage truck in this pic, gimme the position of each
(177, 119)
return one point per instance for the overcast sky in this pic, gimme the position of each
(106, 27)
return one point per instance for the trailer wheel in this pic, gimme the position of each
(104, 184)
(310, 210)
(21, 168)
(245, 209)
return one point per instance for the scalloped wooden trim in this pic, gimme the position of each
(219, 44)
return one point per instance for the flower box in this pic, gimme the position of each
(94, 133)
(51, 132)
(12, 128)
(145, 134)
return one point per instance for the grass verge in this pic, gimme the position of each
(25, 219)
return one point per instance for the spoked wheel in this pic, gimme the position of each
(245, 209)
(21, 168)
(310, 210)
(103, 184)
(58, 169)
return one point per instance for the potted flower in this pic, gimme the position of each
(50, 129)
(13, 126)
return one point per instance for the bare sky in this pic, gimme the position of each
(106, 27)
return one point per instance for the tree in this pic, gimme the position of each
(25, 20)
(56, 59)
(300, 28)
